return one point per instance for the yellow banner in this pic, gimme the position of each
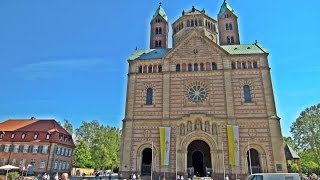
(231, 144)
(164, 145)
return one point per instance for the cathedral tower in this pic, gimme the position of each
(159, 29)
(228, 25)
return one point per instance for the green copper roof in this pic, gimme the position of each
(146, 54)
(160, 11)
(225, 6)
(245, 49)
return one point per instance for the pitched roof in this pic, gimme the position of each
(144, 54)
(160, 11)
(32, 125)
(12, 125)
(240, 49)
(225, 6)
(293, 154)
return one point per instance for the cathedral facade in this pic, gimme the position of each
(206, 82)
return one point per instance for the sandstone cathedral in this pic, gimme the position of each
(204, 107)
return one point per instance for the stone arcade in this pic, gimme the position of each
(206, 81)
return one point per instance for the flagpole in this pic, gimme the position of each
(249, 157)
(151, 159)
(176, 161)
(224, 168)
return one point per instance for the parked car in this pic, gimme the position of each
(274, 176)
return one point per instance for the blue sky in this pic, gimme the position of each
(68, 59)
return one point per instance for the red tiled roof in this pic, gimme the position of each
(44, 126)
(13, 125)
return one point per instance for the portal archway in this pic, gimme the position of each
(199, 157)
(146, 161)
(253, 160)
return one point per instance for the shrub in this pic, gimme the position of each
(13, 175)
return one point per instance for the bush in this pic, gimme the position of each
(13, 175)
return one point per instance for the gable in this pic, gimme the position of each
(196, 45)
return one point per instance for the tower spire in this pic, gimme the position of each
(159, 29)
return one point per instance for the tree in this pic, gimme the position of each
(306, 132)
(291, 142)
(82, 155)
(68, 126)
(101, 142)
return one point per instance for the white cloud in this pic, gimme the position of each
(58, 68)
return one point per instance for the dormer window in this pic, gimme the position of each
(48, 135)
(35, 136)
(1, 135)
(13, 135)
(23, 136)
(61, 137)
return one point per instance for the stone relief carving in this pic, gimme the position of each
(189, 126)
(214, 129)
(182, 130)
(198, 126)
(207, 126)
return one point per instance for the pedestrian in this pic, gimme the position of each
(56, 177)
(45, 176)
(227, 178)
(110, 176)
(64, 176)
(134, 177)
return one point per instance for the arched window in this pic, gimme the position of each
(157, 30)
(249, 64)
(206, 23)
(195, 67)
(214, 66)
(232, 40)
(159, 43)
(208, 67)
(159, 68)
(160, 30)
(154, 68)
(150, 69)
(156, 44)
(188, 23)
(149, 96)
(178, 68)
(228, 40)
(145, 69)
(255, 64)
(233, 66)
(192, 23)
(244, 65)
(140, 69)
(184, 67)
(189, 67)
(196, 22)
(247, 93)
(201, 67)
(214, 28)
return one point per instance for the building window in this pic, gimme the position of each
(13, 135)
(35, 136)
(23, 136)
(192, 23)
(195, 67)
(189, 67)
(159, 68)
(40, 149)
(45, 150)
(201, 67)
(247, 93)
(55, 165)
(48, 135)
(228, 40)
(2, 146)
(6, 148)
(160, 30)
(149, 96)
(232, 40)
(30, 149)
(58, 151)
(228, 26)
(178, 68)
(13, 162)
(22, 162)
(61, 137)
(140, 69)
(243, 65)
(150, 69)
(11, 148)
(157, 31)
(255, 64)
(42, 163)
(4, 161)
(1, 135)
(233, 66)
(160, 43)
(20, 149)
(214, 66)
(16, 147)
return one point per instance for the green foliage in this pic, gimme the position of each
(13, 175)
(293, 167)
(68, 126)
(307, 161)
(306, 132)
(98, 146)
(291, 142)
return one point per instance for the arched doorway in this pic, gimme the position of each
(199, 158)
(146, 162)
(254, 165)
